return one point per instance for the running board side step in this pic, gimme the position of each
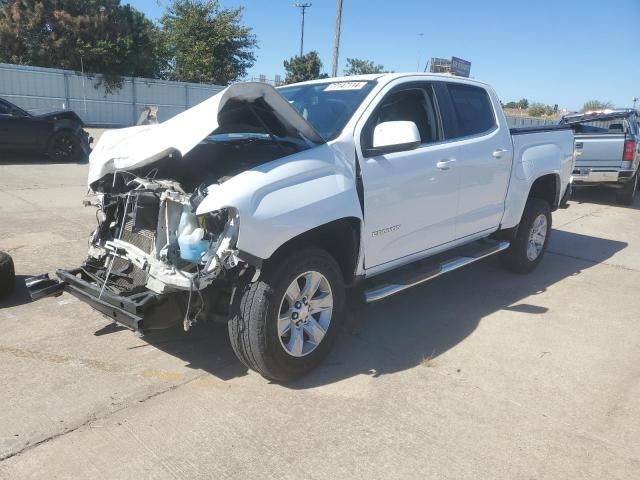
(423, 272)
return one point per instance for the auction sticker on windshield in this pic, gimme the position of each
(345, 86)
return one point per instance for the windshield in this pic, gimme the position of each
(327, 106)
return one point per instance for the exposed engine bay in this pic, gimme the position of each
(149, 238)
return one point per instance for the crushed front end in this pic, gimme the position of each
(152, 261)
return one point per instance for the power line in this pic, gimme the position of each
(303, 8)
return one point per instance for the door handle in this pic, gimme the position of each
(445, 164)
(498, 152)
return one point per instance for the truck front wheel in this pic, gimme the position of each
(284, 325)
(531, 240)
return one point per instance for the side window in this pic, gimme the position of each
(4, 109)
(411, 104)
(472, 108)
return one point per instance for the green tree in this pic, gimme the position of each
(596, 105)
(303, 68)
(207, 43)
(356, 66)
(99, 36)
(539, 109)
(523, 104)
(511, 105)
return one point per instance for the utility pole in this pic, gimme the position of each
(336, 40)
(303, 8)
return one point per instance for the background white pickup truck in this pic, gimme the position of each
(607, 150)
(258, 206)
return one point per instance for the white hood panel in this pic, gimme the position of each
(129, 148)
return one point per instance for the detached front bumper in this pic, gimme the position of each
(138, 312)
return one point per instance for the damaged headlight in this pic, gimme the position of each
(213, 223)
(196, 197)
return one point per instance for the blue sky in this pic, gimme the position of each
(561, 51)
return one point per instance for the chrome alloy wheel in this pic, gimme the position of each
(305, 314)
(537, 237)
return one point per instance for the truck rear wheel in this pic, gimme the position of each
(7, 275)
(627, 193)
(531, 240)
(284, 325)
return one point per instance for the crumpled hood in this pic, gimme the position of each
(128, 148)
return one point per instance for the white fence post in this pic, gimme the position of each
(67, 96)
(134, 100)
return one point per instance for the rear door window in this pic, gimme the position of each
(472, 109)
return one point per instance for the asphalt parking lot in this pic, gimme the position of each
(480, 374)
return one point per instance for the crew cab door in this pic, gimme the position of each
(479, 140)
(409, 197)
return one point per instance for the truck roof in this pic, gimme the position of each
(387, 77)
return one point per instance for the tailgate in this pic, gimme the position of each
(602, 150)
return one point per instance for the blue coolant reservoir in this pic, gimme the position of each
(192, 246)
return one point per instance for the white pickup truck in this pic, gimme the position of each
(607, 150)
(258, 207)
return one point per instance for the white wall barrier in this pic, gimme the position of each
(42, 90)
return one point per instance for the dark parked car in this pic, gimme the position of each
(59, 135)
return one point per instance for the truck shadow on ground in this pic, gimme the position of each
(205, 347)
(404, 331)
(601, 196)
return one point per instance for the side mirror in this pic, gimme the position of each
(397, 136)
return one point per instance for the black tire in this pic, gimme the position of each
(515, 258)
(253, 328)
(64, 146)
(7, 275)
(627, 194)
